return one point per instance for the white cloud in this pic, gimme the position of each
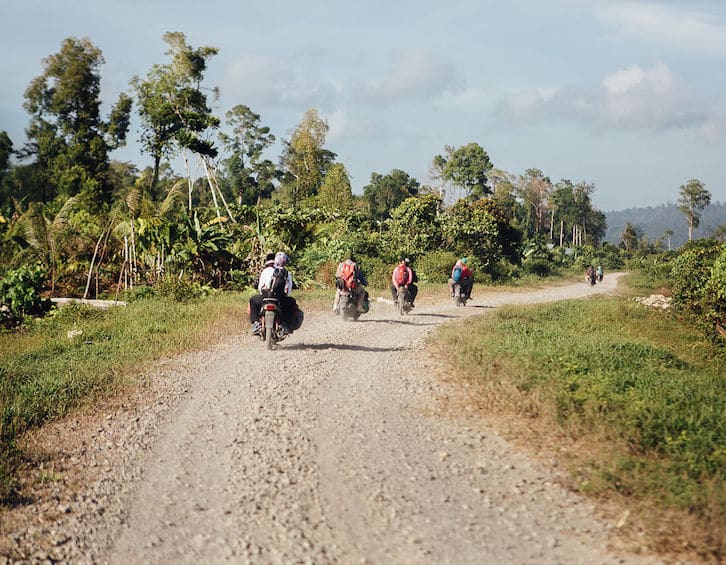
(413, 74)
(682, 28)
(264, 82)
(637, 97)
(631, 98)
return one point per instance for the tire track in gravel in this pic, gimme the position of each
(327, 450)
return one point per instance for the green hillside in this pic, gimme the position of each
(655, 220)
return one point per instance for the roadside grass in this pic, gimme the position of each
(44, 373)
(642, 392)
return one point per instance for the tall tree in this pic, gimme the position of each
(467, 167)
(66, 134)
(469, 228)
(304, 159)
(534, 189)
(173, 106)
(250, 175)
(336, 192)
(631, 236)
(386, 192)
(693, 198)
(436, 171)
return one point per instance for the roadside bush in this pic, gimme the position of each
(180, 290)
(715, 298)
(377, 271)
(325, 273)
(435, 266)
(691, 274)
(535, 266)
(20, 294)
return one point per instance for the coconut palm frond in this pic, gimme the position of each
(133, 201)
(69, 206)
(176, 193)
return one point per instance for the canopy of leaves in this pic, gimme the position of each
(467, 167)
(413, 228)
(304, 160)
(384, 193)
(247, 177)
(336, 192)
(172, 107)
(66, 135)
(693, 198)
(470, 229)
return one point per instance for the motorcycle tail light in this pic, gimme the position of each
(270, 307)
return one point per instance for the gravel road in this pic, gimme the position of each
(331, 449)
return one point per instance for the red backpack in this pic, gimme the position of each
(401, 275)
(349, 274)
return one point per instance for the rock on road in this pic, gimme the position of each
(330, 450)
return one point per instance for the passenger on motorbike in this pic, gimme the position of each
(291, 317)
(348, 276)
(590, 275)
(461, 274)
(403, 275)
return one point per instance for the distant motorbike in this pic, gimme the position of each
(460, 297)
(272, 330)
(403, 299)
(591, 278)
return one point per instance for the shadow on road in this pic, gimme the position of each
(343, 346)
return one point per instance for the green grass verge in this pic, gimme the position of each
(637, 382)
(44, 374)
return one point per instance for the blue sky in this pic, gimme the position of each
(627, 95)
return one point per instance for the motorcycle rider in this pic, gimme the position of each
(291, 317)
(599, 273)
(461, 273)
(347, 268)
(590, 276)
(403, 275)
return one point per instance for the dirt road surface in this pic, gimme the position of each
(330, 449)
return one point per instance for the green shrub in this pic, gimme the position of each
(714, 298)
(690, 276)
(377, 271)
(435, 266)
(20, 294)
(535, 266)
(180, 290)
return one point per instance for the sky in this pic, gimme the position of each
(629, 96)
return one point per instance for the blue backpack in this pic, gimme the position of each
(457, 274)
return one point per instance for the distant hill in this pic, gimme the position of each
(653, 221)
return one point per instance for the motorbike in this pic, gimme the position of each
(404, 300)
(460, 297)
(591, 279)
(272, 330)
(347, 306)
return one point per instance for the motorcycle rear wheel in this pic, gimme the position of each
(269, 329)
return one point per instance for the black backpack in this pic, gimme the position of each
(279, 280)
